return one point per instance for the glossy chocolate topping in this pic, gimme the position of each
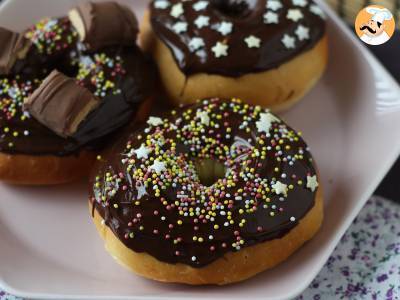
(121, 77)
(106, 24)
(236, 37)
(150, 194)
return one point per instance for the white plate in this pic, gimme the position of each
(49, 246)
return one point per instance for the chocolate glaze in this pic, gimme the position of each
(247, 18)
(115, 195)
(128, 74)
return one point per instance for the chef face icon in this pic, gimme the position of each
(375, 25)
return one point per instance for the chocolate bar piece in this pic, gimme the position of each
(13, 46)
(104, 24)
(61, 104)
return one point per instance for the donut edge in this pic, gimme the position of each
(232, 267)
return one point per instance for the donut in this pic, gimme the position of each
(210, 193)
(47, 74)
(269, 52)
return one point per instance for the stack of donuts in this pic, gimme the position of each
(212, 190)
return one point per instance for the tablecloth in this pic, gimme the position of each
(366, 263)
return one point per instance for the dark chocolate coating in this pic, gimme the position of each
(121, 77)
(247, 19)
(149, 221)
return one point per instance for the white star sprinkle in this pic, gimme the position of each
(316, 10)
(202, 21)
(196, 43)
(301, 3)
(141, 190)
(225, 28)
(265, 122)
(271, 18)
(274, 5)
(161, 4)
(180, 27)
(288, 41)
(294, 14)
(200, 5)
(220, 49)
(142, 152)
(280, 188)
(312, 183)
(303, 33)
(154, 121)
(252, 41)
(204, 118)
(177, 10)
(157, 166)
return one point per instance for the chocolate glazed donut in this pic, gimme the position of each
(121, 77)
(210, 193)
(237, 48)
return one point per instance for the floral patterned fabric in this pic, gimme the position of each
(366, 263)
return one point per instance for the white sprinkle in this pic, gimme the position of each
(180, 27)
(252, 41)
(142, 151)
(225, 28)
(274, 5)
(303, 33)
(317, 11)
(154, 121)
(200, 5)
(265, 122)
(177, 10)
(220, 49)
(292, 219)
(312, 182)
(204, 118)
(280, 188)
(202, 21)
(196, 43)
(294, 14)
(288, 41)
(161, 4)
(194, 258)
(271, 18)
(158, 166)
(302, 3)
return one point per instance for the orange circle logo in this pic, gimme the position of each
(375, 25)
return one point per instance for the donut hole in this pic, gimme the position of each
(209, 171)
(234, 8)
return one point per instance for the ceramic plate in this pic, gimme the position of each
(50, 248)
